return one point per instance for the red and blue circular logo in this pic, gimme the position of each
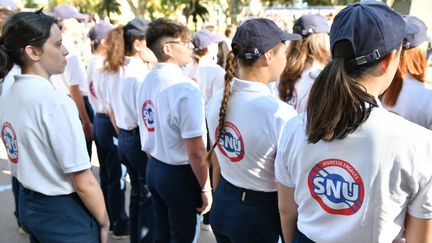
(148, 115)
(337, 187)
(91, 89)
(231, 142)
(10, 141)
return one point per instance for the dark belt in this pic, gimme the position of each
(134, 131)
(245, 194)
(40, 195)
(98, 114)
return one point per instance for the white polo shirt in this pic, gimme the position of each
(94, 70)
(170, 109)
(254, 122)
(208, 75)
(7, 82)
(123, 91)
(358, 189)
(43, 136)
(414, 102)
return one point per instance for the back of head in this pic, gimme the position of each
(66, 11)
(202, 40)
(134, 30)
(20, 30)
(4, 15)
(162, 28)
(99, 32)
(362, 35)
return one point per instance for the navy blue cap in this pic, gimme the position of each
(311, 24)
(203, 38)
(372, 28)
(100, 31)
(136, 27)
(66, 11)
(417, 32)
(258, 35)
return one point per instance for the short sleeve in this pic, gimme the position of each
(282, 170)
(191, 114)
(74, 71)
(66, 136)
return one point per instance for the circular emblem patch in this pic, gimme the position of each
(10, 141)
(148, 115)
(337, 186)
(91, 89)
(231, 143)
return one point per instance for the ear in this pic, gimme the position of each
(32, 53)
(167, 50)
(387, 61)
(266, 59)
(138, 45)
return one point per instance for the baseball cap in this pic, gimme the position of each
(372, 28)
(311, 24)
(258, 35)
(417, 32)
(203, 38)
(136, 27)
(100, 31)
(65, 11)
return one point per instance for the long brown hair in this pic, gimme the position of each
(115, 57)
(338, 104)
(300, 55)
(413, 62)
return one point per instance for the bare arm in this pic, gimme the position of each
(76, 96)
(287, 211)
(418, 230)
(90, 193)
(196, 153)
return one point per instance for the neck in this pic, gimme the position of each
(36, 70)
(254, 74)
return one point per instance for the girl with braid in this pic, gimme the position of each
(245, 200)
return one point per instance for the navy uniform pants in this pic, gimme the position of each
(176, 195)
(240, 215)
(110, 174)
(140, 207)
(56, 219)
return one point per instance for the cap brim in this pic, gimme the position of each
(290, 37)
(218, 38)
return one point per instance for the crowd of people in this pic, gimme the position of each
(318, 135)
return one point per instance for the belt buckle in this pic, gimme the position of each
(243, 197)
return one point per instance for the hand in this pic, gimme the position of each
(88, 128)
(207, 200)
(104, 229)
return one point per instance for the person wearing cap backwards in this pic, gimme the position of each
(352, 171)
(110, 171)
(305, 60)
(72, 81)
(408, 95)
(128, 61)
(245, 122)
(172, 128)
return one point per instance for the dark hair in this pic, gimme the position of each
(164, 27)
(338, 104)
(300, 55)
(20, 30)
(198, 53)
(129, 39)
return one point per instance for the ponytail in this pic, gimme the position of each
(6, 62)
(115, 57)
(337, 104)
(230, 73)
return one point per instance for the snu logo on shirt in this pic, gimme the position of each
(10, 141)
(91, 89)
(231, 143)
(337, 186)
(148, 115)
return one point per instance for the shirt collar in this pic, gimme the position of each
(33, 78)
(243, 85)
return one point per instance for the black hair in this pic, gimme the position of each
(20, 30)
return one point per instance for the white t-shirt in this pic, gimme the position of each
(123, 91)
(43, 136)
(254, 122)
(414, 102)
(94, 70)
(358, 189)
(302, 88)
(170, 109)
(9, 80)
(208, 75)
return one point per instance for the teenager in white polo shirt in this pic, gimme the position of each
(305, 60)
(245, 122)
(172, 128)
(352, 171)
(129, 52)
(60, 199)
(409, 95)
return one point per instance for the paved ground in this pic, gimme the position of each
(8, 228)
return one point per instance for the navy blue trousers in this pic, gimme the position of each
(110, 174)
(240, 215)
(56, 219)
(176, 195)
(299, 237)
(141, 206)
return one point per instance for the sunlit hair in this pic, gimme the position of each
(115, 57)
(300, 55)
(413, 62)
